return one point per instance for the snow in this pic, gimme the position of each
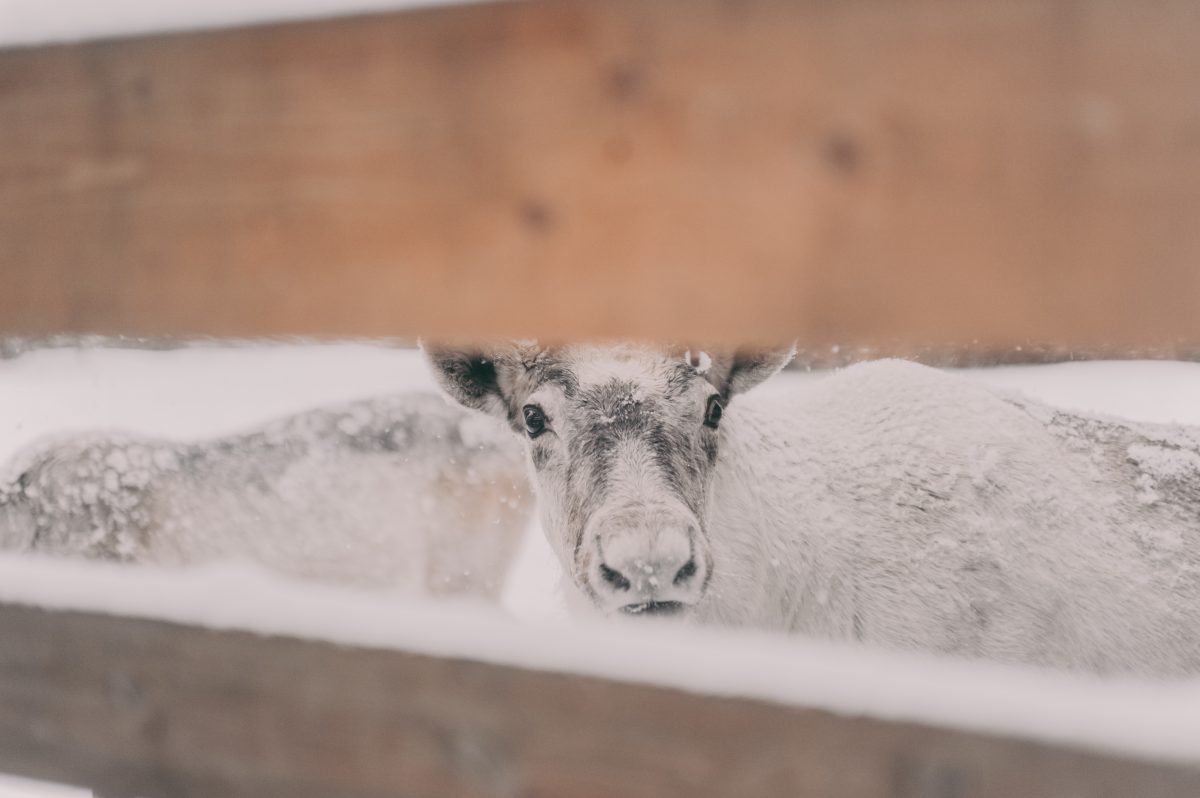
(1146, 390)
(1165, 463)
(211, 390)
(197, 392)
(13, 787)
(27, 22)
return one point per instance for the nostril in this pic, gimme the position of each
(614, 577)
(686, 572)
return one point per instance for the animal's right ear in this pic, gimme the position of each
(472, 376)
(739, 371)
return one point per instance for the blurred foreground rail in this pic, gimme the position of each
(134, 707)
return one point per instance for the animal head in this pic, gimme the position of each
(623, 441)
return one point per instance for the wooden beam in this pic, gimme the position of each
(935, 172)
(135, 707)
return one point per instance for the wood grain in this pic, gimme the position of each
(934, 172)
(134, 707)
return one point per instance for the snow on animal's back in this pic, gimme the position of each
(905, 401)
(889, 418)
(403, 491)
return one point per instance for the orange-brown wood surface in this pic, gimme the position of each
(141, 708)
(933, 172)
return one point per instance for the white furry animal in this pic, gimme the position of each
(402, 491)
(890, 503)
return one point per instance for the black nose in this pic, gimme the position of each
(654, 608)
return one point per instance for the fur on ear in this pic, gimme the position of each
(472, 376)
(739, 371)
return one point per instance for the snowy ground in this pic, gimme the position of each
(209, 390)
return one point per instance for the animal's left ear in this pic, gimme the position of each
(476, 377)
(739, 371)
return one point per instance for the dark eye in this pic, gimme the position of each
(712, 414)
(535, 420)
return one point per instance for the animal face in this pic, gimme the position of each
(622, 441)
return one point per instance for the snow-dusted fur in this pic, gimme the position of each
(889, 503)
(402, 491)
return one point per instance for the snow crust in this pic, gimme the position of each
(28, 22)
(1165, 463)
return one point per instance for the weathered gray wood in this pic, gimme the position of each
(135, 707)
(933, 172)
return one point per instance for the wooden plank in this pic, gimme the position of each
(936, 172)
(135, 707)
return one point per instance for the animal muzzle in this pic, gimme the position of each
(647, 563)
